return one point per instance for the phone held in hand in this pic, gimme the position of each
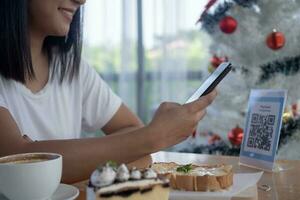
(212, 81)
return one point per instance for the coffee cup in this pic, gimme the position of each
(30, 176)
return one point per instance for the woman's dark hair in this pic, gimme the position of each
(15, 56)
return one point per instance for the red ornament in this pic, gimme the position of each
(207, 7)
(228, 25)
(214, 138)
(275, 40)
(215, 61)
(295, 109)
(235, 136)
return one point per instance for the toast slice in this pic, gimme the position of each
(196, 177)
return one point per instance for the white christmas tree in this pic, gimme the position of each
(261, 38)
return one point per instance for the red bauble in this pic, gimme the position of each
(215, 61)
(228, 25)
(214, 138)
(275, 40)
(235, 136)
(295, 109)
(207, 7)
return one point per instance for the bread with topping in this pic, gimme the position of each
(193, 177)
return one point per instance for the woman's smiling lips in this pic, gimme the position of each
(67, 13)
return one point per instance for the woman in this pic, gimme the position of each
(49, 95)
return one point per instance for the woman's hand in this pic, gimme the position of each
(173, 122)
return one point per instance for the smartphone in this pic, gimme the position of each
(212, 81)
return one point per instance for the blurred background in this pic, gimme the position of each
(173, 56)
(150, 51)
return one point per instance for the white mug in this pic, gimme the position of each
(30, 176)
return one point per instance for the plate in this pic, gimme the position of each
(63, 192)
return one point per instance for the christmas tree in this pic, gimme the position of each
(261, 39)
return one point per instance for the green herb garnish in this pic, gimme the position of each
(185, 168)
(109, 163)
(112, 164)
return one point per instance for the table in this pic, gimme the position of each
(285, 185)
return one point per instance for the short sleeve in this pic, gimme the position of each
(99, 102)
(2, 100)
(2, 103)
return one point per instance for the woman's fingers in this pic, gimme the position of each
(202, 102)
(173, 122)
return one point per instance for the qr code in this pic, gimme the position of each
(261, 131)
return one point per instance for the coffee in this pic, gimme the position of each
(28, 158)
(25, 161)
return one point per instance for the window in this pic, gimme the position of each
(175, 51)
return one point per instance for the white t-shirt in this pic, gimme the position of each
(60, 111)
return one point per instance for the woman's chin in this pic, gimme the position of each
(61, 32)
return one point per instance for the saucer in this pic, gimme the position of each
(63, 192)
